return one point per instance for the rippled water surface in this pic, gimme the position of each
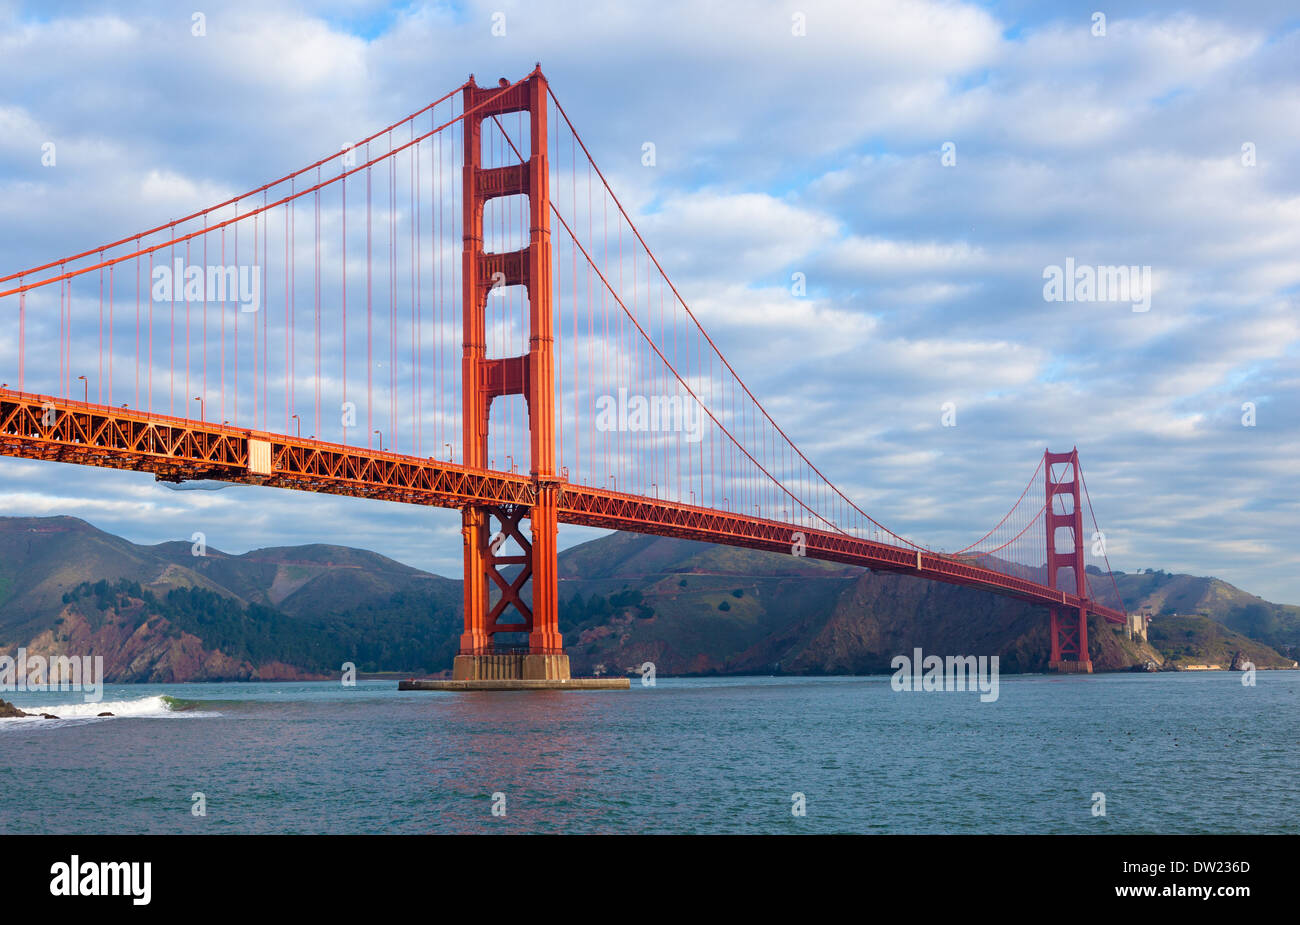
(1170, 752)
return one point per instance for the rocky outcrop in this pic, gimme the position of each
(152, 651)
(9, 711)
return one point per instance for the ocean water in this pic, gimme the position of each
(1172, 753)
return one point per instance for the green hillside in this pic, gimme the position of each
(309, 608)
(162, 613)
(1275, 625)
(1199, 640)
(403, 629)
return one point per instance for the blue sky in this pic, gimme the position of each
(776, 154)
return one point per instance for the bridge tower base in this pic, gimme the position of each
(1072, 667)
(1070, 643)
(1069, 630)
(521, 666)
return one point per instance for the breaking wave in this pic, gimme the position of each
(157, 706)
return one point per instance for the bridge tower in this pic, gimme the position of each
(486, 378)
(1069, 627)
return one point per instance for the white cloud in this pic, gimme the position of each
(776, 154)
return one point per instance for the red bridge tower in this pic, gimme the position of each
(531, 375)
(1069, 628)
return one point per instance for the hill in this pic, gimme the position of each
(162, 613)
(1275, 625)
(695, 608)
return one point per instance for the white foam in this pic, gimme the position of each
(141, 707)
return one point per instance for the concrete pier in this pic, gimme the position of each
(519, 665)
(1071, 667)
(519, 684)
(514, 671)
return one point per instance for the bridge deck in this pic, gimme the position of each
(176, 449)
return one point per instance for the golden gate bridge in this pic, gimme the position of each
(444, 306)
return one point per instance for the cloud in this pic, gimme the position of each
(776, 154)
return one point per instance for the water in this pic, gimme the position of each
(1171, 752)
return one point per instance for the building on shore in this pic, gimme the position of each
(1136, 627)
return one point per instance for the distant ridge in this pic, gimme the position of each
(161, 613)
(171, 615)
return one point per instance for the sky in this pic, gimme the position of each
(922, 164)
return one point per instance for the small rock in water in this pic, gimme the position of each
(9, 711)
(48, 716)
(105, 713)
